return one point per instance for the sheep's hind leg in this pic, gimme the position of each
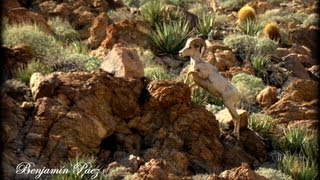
(235, 119)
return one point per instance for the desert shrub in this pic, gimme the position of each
(199, 9)
(77, 61)
(275, 2)
(63, 30)
(170, 37)
(243, 45)
(202, 97)
(158, 73)
(265, 46)
(250, 27)
(181, 3)
(77, 47)
(248, 85)
(23, 74)
(152, 12)
(312, 20)
(298, 167)
(294, 139)
(261, 123)
(282, 17)
(310, 147)
(259, 62)
(45, 47)
(205, 24)
(119, 173)
(273, 174)
(233, 4)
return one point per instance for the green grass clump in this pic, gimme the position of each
(281, 17)
(233, 4)
(261, 123)
(157, 73)
(152, 12)
(259, 62)
(312, 20)
(74, 175)
(298, 140)
(250, 27)
(272, 174)
(248, 85)
(23, 74)
(170, 37)
(205, 24)
(201, 97)
(298, 167)
(181, 3)
(63, 30)
(45, 47)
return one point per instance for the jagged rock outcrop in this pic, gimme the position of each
(127, 32)
(123, 62)
(298, 102)
(244, 172)
(15, 57)
(267, 97)
(130, 121)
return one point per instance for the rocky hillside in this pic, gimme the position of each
(99, 83)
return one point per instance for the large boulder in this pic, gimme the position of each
(225, 117)
(15, 57)
(306, 36)
(244, 172)
(129, 33)
(98, 30)
(299, 102)
(123, 62)
(267, 97)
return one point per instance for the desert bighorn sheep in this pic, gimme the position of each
(207, 76)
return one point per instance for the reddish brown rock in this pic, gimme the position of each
(129, 33)
(245, 68)
(98, 30)
(299, 102)
(123, 62)
(10, 4)
(225, 116)
(23, 15)
(306, 37)
(16, 57)
(155, 170)
(224, 60)
(293, 63)
(313, 124)
(244, 172)
(267, 97)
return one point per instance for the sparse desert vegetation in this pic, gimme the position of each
(113, 89)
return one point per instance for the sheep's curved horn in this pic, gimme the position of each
(201, 43)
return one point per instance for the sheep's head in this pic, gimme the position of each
(194, 47)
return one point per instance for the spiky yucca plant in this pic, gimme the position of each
(259, 62)
(152, 12)
(205, 24)
(250, 27)
(170, 37)
(261, 123)
(298, 167)
(157, 73)
(23, 74)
